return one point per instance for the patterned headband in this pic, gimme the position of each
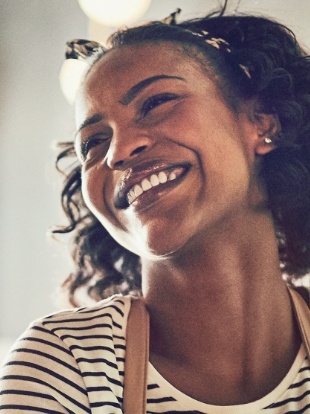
(82, 49)
(216, 42)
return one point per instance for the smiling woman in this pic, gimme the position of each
(192, 191)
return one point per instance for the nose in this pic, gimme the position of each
(126, 146)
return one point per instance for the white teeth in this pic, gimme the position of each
(137, 190)
(154, 180)
(162, 177)
(129, 197)
(148, 183)
(172, 176)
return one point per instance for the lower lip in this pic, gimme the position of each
(156, 193)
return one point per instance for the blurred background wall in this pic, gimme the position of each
(34, 114)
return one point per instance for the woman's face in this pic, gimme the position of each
(164, 159)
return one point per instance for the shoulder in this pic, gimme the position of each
(62, 354)
(110, 313)
(58, 333)
(115, 305)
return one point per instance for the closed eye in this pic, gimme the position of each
(155, 101)
(91, 143)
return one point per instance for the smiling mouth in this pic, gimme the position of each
(155, 180)
(151, 186)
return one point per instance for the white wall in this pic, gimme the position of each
(33, 113)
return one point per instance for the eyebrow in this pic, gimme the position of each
(89, 121)
(136, 89)
(128, 97)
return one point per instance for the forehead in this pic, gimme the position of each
(124, 66)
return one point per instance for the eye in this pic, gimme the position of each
(91, 143)
(155, 101)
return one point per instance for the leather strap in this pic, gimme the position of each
(302, 314)
(137, 357)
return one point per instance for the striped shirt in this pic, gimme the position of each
(73, 362)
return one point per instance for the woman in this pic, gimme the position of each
(193, 144)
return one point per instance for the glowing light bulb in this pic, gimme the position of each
(114, 13)
(71, 75)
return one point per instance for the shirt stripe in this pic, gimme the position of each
(73, 362)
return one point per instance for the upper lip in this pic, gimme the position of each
(135, 174)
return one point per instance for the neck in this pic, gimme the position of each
(223, 298)
(241, 258)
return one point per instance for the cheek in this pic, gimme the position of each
(92, 190)
(97, 192)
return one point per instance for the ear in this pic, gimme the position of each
(268, 127)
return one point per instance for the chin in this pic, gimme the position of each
(152, 253)
(165, 249)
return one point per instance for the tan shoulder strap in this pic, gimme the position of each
(302, 314)
(137, 356)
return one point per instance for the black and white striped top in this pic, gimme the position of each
(73, 362)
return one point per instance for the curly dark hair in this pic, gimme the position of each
(279, 79)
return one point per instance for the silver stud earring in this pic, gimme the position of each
(268, 141)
